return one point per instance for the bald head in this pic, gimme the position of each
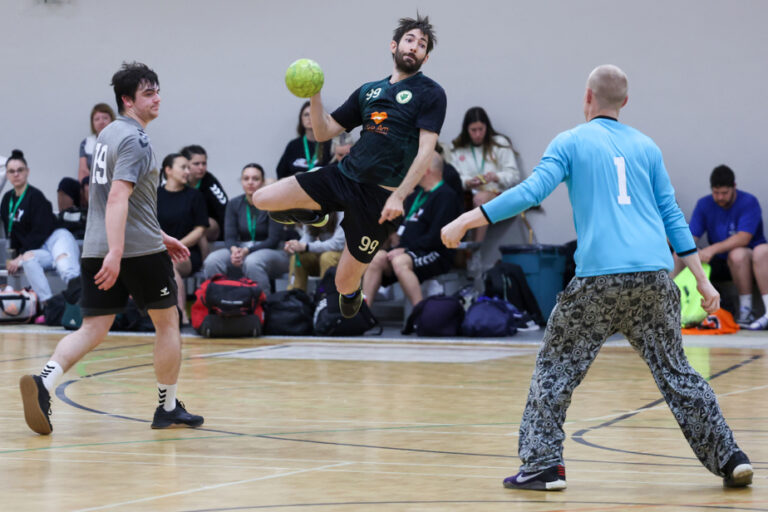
(609, 86)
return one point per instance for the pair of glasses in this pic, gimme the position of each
(16, 171)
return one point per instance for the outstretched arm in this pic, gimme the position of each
(324, 126)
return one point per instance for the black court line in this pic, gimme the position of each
(579, 435)
(61, 394)
(557, 505)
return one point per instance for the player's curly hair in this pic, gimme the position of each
(127, 81)
(421, 23)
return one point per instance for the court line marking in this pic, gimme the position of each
(209, 487)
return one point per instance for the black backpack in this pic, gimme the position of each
(328, 320)
(290, 312)
(507, 281)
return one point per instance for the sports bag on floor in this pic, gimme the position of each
(491, 317)
(438, 315)
(328, 320)
(228, 308)
(17, 306)
(289, 313)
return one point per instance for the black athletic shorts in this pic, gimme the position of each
(720, 270)
(148, 279)
(426, 265)
(361, 203)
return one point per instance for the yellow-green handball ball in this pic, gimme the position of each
(304, 78)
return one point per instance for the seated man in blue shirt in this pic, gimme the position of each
(733, 222)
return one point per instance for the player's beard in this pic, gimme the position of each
(407, 66)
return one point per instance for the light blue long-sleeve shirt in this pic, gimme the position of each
(624, 206)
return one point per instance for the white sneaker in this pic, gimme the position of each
(760, 324)
(746, 317)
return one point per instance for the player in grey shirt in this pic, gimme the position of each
(125, 253)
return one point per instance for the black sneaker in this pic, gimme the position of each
(300, 216)
(177, 418)
(550, 479)
(37, 404)
(350, 306)
(738, 471)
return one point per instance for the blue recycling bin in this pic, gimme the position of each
(544, 266)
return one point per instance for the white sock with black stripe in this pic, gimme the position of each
(50, 374)
(166, 396)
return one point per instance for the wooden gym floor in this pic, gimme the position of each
(366, 424)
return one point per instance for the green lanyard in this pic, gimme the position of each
(310, 161)
(197, 185)
(251, 225)
(420, 200)
(12, 209)
(481, 167)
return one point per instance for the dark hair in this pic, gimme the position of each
(168, 162)
(302, 131)
(474, 115)
(408, 24)
(16, 154)
(128, 80)
(254, 165)
(722, 176)
(103, 108)
(71, 187)
(193, 149)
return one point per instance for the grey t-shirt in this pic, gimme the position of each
(123, 152)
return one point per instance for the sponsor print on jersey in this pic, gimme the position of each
(376, 126)
(379, 117)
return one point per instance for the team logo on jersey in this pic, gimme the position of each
(379, 117)
(404, 97)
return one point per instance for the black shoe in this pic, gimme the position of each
(550, 479)
(177, 418)
(349, 306)
(37, 404)
(300, 216)
(738, 471)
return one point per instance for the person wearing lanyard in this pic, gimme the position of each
(417, 254)
(182, 214)
(252, 240)
(485, 160)
(30, 225)
(303, 153)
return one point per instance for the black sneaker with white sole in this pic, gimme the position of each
(177, 418)
(550, 479)
(37, 404)
(738, 471)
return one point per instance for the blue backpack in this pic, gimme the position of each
(491, 317)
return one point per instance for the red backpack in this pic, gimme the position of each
(228, 307)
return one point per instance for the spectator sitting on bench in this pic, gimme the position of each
(72, 216)
(732, 220)
(417, 252)
(31, 227)
(182, 214)
(213, 193)
(316, 251)
(252, 240)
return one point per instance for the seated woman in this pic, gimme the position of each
(101, 115)
(316, 251)
(182, 214)
(251, 238)
(31, 227)
(304, 152)
(485, 159)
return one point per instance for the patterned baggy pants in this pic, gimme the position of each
(644, 307)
